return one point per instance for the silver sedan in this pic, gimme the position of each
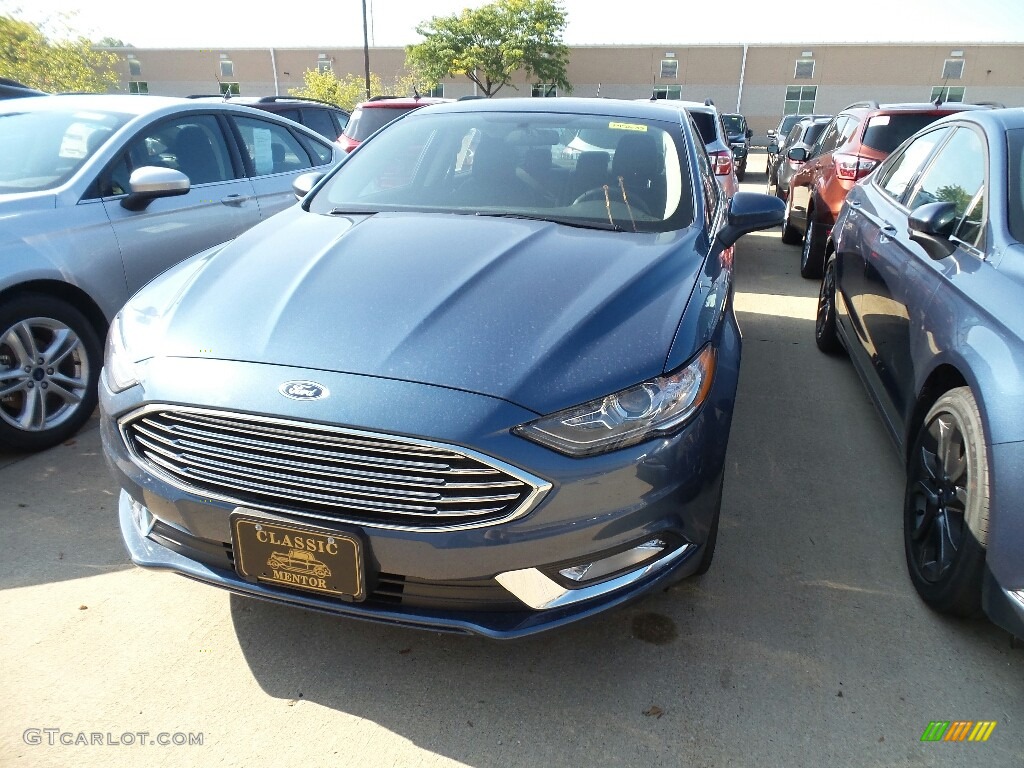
(98, 194)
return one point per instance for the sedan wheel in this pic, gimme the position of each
(825, 335)
(49, 367)
(945, 519)
(810, 259)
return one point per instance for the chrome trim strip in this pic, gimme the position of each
(540, 592)
(1017, 597)
(539, 487)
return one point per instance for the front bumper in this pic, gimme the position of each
(497, 580)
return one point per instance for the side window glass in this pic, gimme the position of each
(321, 152)
(899, 170)
(193, 145)
(956, 175)
(320, 121)
(848, 129)
(708, 181)
(828, 139)
(271, 148)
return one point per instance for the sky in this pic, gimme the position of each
(338, 23)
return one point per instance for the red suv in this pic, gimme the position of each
(857, 139)
(377, 112)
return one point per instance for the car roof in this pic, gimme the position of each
(922, 106)
(401, 102)
(124, 103)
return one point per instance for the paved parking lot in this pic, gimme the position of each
(805, 645)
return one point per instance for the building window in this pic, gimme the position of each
(670, 69)
(800, 99)
(668, 92)
(134, 67)
(804, 69)
(545, 89)
(437, 92)
(229, 88)
(324, 65)
(954, 93)
(227, 68)
(138, 86)
(953, 69)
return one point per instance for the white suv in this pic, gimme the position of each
(709, 124)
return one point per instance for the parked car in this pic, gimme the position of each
(486, 406)
(738, 135)
(98, 194)
(708, 121)
(779, 133)
(857, 139)
(12, 89)
(804, 134)
(922, 286)
(373, 114)
(323, 117)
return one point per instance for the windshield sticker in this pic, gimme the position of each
(628, 127)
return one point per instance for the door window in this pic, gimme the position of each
(271, 148)
(193, 144)
(900, 170)
(957, 175)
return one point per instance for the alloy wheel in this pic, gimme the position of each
(44, 374)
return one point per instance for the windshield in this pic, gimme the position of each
(733, 123)
(43, 149)
(365, 122)
(579, 170)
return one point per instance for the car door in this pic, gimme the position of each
(274, 156)
(219, 206)
(804, 180)
(888, 278)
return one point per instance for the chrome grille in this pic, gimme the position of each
(326, 471)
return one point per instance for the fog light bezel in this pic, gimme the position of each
(555, 571)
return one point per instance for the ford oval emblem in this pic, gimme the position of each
(303, 390)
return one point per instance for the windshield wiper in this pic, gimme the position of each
(348, 212)
(610, 227)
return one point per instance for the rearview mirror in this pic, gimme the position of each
(931, 226)
(749, 212)
(150, 182)
(304, 183)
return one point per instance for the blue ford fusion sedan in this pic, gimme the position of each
(471, 383)
(923, 285)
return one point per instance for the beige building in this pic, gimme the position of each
(761, 81)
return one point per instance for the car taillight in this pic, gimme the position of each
(347, 143)
(853, 167)
(723, 163)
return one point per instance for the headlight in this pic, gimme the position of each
(120, 370)
(631, 416)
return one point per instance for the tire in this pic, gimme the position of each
(825, 335)
(811, 261)
(741, 172)
(946, 507)
(790, 234)
(50, 359)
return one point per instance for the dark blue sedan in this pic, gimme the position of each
(473, 382)
(923, 286)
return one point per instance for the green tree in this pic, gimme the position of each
(491, 43)
(347, 91)
(28, 56)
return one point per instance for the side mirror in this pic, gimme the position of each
(931, 226)
(305, 182)
(749, 133)
(799, 154)
(773, 148)
(771, 134)
(749, 212)
(149, 182)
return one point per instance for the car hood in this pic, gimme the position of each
(539, 314)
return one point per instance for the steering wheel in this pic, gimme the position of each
(615, 195)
